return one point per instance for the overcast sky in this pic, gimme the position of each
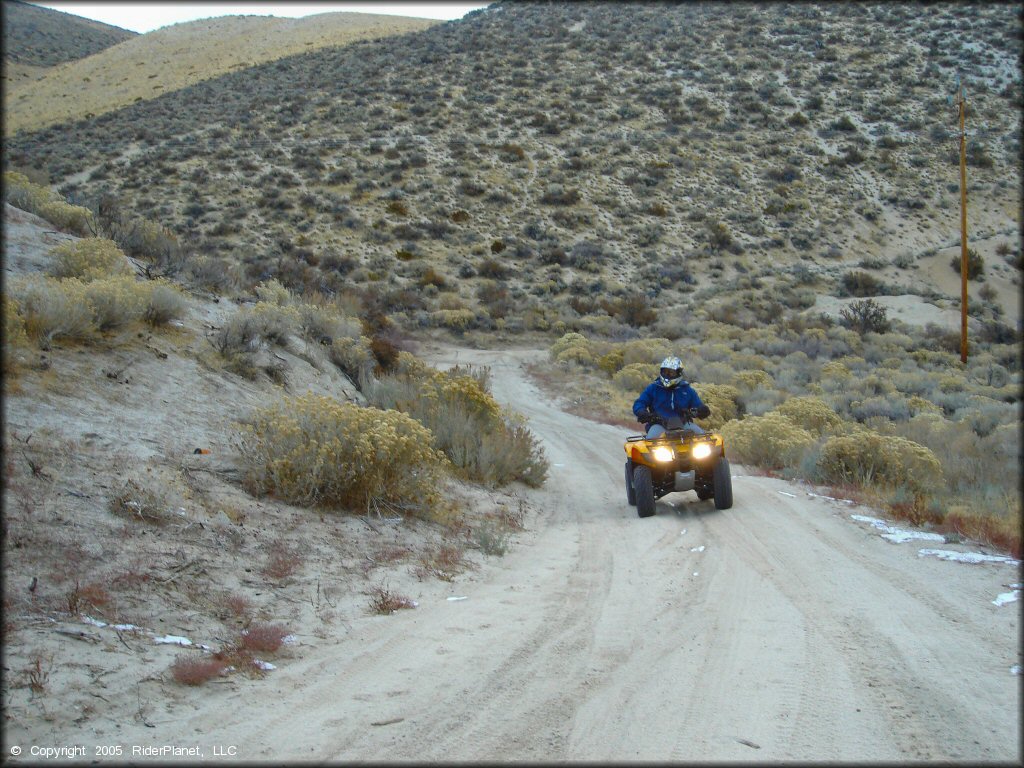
(147, 16)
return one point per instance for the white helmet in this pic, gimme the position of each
(671, 372)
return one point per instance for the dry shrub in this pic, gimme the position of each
(23, 194)
(197, 670)
(55, 309)
(262, 637)
(568, 340)
(273, 322)
(1000, 532)
(633, 377)
(353, 357)
(93, 258)
(488, 444)
(273, 292)
(314, 450)
(651, 351)
(14, 335)
(455, 319)
(812, 413)
(164, 302)
(239, 606)
(721, 399)
(748, 381)
(868, 458)
(444, 563)
(282, 561)
(138, 503)
(772, 441)
(384, 602)
(87, 597)
(116, 302)
(239, 335)
(578, 354)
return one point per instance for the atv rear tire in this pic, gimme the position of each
(722, 475)
(643, 488)
(630, 493)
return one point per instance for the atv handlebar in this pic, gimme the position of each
(648, 417)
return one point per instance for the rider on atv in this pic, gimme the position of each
(670, 397)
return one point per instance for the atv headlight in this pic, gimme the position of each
(701, 450)
(663, 453)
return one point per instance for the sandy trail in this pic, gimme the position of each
(778, 630)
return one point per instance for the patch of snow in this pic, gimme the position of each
(967, 557)
(829, 498)
(172, 640)
(897, 535)
(1006, 597)
(698, 549)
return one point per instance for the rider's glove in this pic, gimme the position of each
(645, 415)
(703, 412)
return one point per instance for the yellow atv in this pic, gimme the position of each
(677, 460)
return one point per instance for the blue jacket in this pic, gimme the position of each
(667, 402)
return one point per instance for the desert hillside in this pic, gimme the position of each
(173, 57)
(569, 160)
(42, 37)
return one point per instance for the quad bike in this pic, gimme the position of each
(678, 460)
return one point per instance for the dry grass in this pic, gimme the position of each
(197, 670)
(262, 637)
(385, 602)
(152, 65)
(283, 561)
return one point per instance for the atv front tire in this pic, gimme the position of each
(630, 493)
(643, 489)
(723, 484)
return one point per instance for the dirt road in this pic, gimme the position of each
(778, 630)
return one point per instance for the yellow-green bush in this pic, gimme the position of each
(323, 323)
(611, 362)
(771, 441)
(165, 302)
(55, 309)
(275, 323)
(116, 301)
(649, 351)
(456, 319)
(811, 413)
(40, 200)
(751, 380)
(567, 341)
(273, 292)
(485, 443)
(15, 337)
(868, 458)
(90, 259)
(722, 400)
(577, 354)
(633, 377)
(835, 369)
(353, 358)
(317, 451)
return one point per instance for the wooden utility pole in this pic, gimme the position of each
(962, 108)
